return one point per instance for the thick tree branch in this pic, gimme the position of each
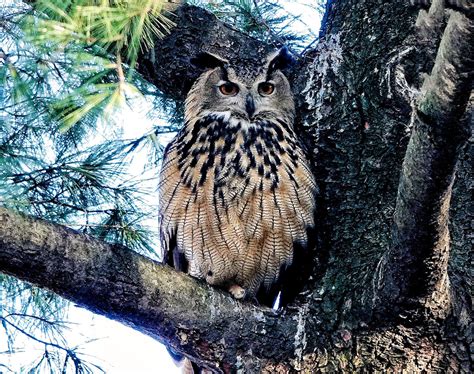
(195, 319)
(192, 317)
(416, 265)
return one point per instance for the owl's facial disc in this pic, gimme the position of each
(243, 93)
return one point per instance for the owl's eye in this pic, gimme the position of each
(265, 88)
(229, 89)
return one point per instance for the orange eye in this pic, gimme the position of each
(266, 88)
(229, 89)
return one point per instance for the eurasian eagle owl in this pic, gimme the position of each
(236, 191)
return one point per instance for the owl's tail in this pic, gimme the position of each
(186, 365)
(189, 367)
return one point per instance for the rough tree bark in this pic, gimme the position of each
(384, 156)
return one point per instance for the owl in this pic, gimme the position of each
(237, 195)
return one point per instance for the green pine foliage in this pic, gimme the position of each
(67, 73)
(267, 20)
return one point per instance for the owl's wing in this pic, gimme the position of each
(284, 220)
(300, 211)
(168, 187)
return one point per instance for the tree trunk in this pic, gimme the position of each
(379, 298)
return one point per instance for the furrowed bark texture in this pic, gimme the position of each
(355, 93)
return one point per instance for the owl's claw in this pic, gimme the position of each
(237, 292)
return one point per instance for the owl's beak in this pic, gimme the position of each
(250, 105)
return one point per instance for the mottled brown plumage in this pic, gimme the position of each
(236, 189)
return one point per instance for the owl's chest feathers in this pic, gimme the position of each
(236, 157)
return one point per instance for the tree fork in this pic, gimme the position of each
(414, 270)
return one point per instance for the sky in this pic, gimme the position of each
(116, 348)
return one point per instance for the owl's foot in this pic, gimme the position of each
(237, 291)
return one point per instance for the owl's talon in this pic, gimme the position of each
(237, 292)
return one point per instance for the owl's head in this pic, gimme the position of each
(245, 92)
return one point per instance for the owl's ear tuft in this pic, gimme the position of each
(207, 60)
(281, 60)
